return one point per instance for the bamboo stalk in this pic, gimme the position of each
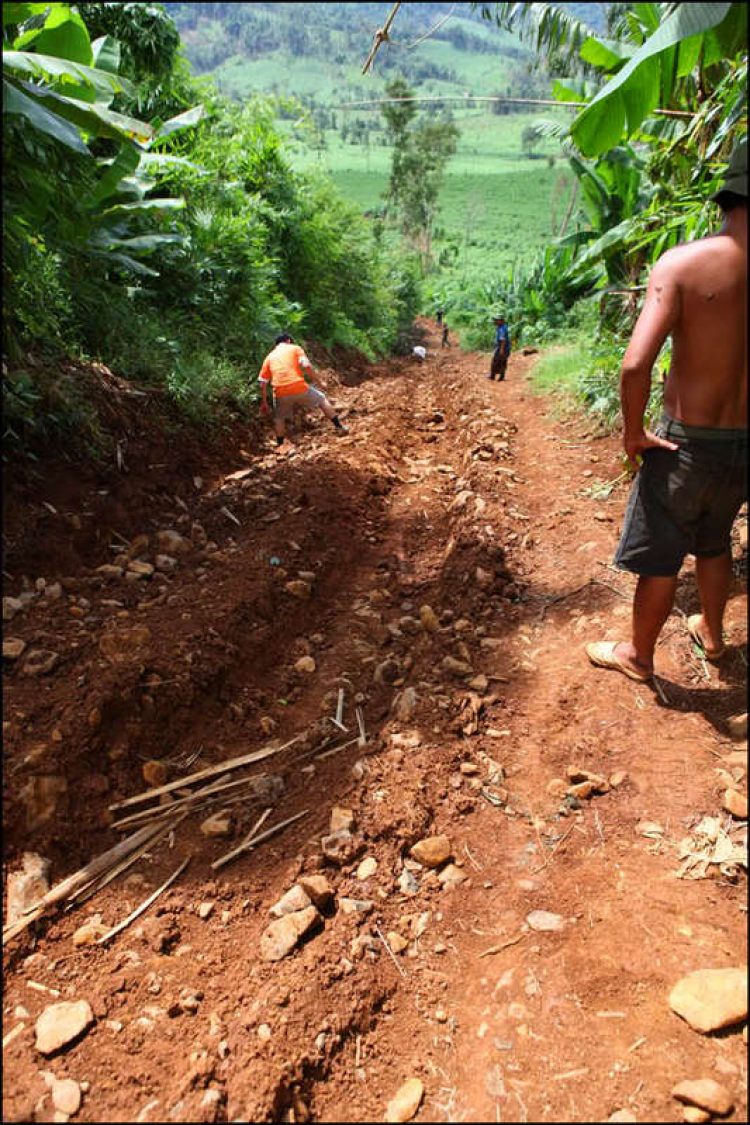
(248, 846)
(145, 904)
(86, 892)
(210, 771)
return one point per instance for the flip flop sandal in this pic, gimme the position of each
(710, 654)
(602, 653)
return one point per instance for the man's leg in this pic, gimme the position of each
(713, 576)
(652, 605)
(329, 412)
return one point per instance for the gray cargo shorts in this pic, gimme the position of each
(683, 501)
(283, 405)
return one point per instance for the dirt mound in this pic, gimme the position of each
(426, 583)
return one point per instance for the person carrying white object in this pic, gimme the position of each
(419, 352)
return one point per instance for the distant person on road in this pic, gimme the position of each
(444, 343)
(439, 317)
(283, 368)
(692, 479)
(500, 355)
(419, 352)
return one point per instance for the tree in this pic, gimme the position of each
(529, 140)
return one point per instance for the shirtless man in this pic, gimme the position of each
(692, 478)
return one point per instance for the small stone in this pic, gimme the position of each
(405, 1102)
(617, 778)
(43, 797)
(142, 569)
(267, 724)
(218, 825)
(441, 1015)
(108, 570)
(339, 847)
(576, 776)
(66, 1096)
(90, 932)
(367, 867)
(737, 725)
(298, 588)
(26, 887)
(407, 883)
(60, 1024)
(557, 787)
(166, 563)
(456, 667)
(694, 1115)
(170, 542)
(125, 646)
(305, 664)
(483, 578)
(280, 938)
(39, 661)
(544, 920)
(294, 899)
(451, 876)
(11, 606)
(706, 1094)
(341, 820)
(582, 790)
(205, 910)
(431, 851)
(479, 683)
(429, 619)
(317, 888)
(468, 769)
(406, 739)
(13, 647)
(355, 905)
(711, 998)
(622, 1115)
(735, 803)
(155, 773)
(397, 942)
(405, 704)
(264, 1032)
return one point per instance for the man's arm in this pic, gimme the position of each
(264, 377)
(659, 316)
(309, 372)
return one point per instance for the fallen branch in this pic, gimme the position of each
(361, 725)
(249, 845)
(145, 904)
(500, 948)
(90, 889)
(335, 750)
(210, 771)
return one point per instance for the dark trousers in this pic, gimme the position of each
(498, 364)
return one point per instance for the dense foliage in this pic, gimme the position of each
(174, 249)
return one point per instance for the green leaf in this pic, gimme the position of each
(106, 52)
(688, 54)
(182, 121)
(131, 264)
(124, 163)
(93, 119)
(636, 86)
(63, 35)
(51, 69)
(19, 13)
(146, 241)
(168, 203)
(17, 103)
(607, 54)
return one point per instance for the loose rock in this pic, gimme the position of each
(452, 876)
(544, 920)
(711, 998)
(341, 820)
(367, 867)
(26, 887)
(219, 825)
(13, 647)
(155, 773)
(66, 1096)
(305, 664)
(294, 899)
(298, 588)
(280, 938)
(429, 619)
(39, 661)
(406, 1101)
(706, 1094)
(736, 803)
(431, 851)
(60, 1024)
(317, 888)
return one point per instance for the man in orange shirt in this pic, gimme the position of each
(283, 369)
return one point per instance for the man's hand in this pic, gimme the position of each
(264, 407)
(637, 443)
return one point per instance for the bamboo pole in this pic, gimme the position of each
(491, 98)
(210, 771)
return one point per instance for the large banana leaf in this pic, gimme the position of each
(63, 34)
(16, 103)
(716, 29)
(92, 119)
(102, 84)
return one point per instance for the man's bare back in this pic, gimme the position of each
(707, 382)
(697, 294)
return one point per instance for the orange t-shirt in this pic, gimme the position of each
(282, 368)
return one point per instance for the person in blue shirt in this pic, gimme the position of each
(502, 349)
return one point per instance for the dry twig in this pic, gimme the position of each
(145, 904)
(248, 845)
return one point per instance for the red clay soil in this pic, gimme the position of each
(451, 492)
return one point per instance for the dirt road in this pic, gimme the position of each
(526, 979)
